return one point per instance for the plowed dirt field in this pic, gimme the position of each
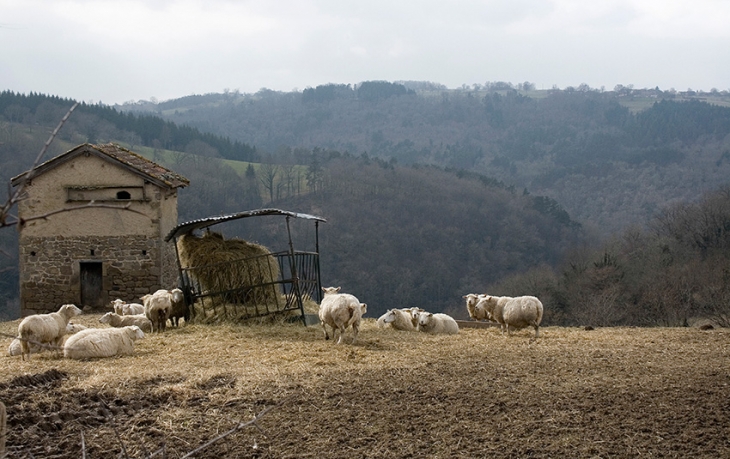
(573, 393)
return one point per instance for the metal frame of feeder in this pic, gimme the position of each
(302, 269)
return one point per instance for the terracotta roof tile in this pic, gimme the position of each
(115, 152)
(143, 164)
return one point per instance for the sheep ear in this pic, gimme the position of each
(338, 288)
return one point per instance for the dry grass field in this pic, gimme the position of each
(605, 393)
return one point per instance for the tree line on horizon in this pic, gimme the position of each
(568, 144)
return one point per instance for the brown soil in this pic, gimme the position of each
(573, 393)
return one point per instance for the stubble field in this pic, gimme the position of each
(605, 393)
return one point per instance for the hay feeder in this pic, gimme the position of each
(232, 280)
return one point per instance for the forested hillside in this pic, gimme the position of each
(609, 166)
(419, 235)
(426, 227)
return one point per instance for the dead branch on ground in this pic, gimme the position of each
(234, 430)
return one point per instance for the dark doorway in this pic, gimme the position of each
(91, 284)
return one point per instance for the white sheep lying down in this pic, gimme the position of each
(340, 311)
(437, 323)
(15, 348)
(399, 319)
(102, 342)
(512, 313)
(115, 320)
(45, 328)
(127, 309)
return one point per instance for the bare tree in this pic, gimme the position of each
(268, 174)
(6, 219)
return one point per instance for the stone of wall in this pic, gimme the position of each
(50, 269)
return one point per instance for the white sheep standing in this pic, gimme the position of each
(15, 349)
(179, 308)
(157, 308)
(340, 311)
(117, 321)
(429, 322)
(127, 309)
(513, 313)
(102, 342)
(45, 328)
(399, 319)
(471, 301)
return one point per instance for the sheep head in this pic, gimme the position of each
(69, 310)
(137, 331)
(389, 316)
(106, 318)
(331, 290)
(424, 318)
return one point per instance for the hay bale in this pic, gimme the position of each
(238, 275)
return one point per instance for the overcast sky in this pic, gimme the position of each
(120, 50)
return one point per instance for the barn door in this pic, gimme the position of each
(91, 285)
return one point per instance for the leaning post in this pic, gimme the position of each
(3, 429)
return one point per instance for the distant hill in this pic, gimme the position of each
(610, 158)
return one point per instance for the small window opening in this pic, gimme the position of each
(123, 195)
(92, 252)
(32, 254)
(144, 252)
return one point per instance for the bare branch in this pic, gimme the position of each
(39, 344)
(108, 415)
(233, 430)
(14, 197)
(58, 349)
(90, 205)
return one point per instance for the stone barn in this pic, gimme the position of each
(93, 222)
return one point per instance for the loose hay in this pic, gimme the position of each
(610, 392)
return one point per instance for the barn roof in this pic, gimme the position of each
(193, 225)
(118, 155)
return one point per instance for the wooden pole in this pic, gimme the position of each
(3, 429)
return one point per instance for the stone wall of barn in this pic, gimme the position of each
(131, 266)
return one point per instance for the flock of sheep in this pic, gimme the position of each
(342, 310)
(510, 313)
(128, 323)
(339, 311)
